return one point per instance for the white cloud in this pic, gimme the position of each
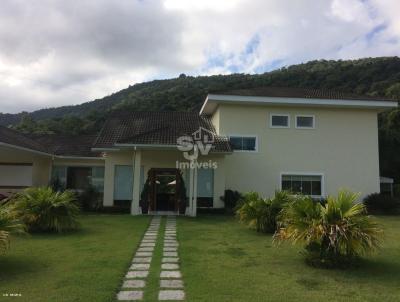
(66, 52)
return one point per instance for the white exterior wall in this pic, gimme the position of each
(343, 147)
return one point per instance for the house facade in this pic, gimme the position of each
(309, 141)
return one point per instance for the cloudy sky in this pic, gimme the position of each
(61, 52)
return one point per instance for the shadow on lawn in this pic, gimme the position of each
(15, 266)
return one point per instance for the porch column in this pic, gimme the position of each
(194, 210)
(136, 162)
(189, 211)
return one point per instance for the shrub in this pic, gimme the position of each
(90, 199)
(382, 203)
(42, 209)
(231, 199)
(335, 234)
(8, 225)
(260, 213)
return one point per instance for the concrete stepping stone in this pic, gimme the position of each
(171, 274)
(136, 274)
(170, 238)
(146, 249)
(170, 254)
(140, 266)
(149, 240)
(170, 241)
(127, 295)
(170, 244)
(172, 295)
(134, 284)
(170, 260)
(171, 283)
(143, 254)
(141, 260)
(170, 266)
(170, 249)
(147, 244)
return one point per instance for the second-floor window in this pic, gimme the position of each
(243, 143)
(279, 120)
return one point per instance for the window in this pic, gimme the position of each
(305, 184)
(305, 121)
(243, 143)
(279, 121)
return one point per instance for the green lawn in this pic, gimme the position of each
(84, 266)
(221, 261)
(224, 261)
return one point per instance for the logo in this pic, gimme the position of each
(199, 143)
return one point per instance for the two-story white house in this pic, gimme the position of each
(265, 139)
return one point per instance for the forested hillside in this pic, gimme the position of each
(370, 76)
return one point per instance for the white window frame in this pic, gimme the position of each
(246, 135)
(304, 115)
(306, 174)
(279, 114)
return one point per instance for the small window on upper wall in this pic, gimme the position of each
(305, 121)
(279, 120)
(243, 143)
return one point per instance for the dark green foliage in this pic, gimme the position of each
(382, 204)
(262, 214)
(182, 198)
(335, 234)
(231, 199)
(43, 210)
(144, 197)
(90, 199)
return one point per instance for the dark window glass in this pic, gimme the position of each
(78, 178)
(236, 143)
(305, 122)
(249, 143)
(243, 143)
(316, 187)
(280, 121)
(305, 184)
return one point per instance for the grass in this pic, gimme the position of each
(221, 261)
(86, 266)
(224, 261)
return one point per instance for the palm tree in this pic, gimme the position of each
(43, 209)
(335, 233)
(8, 225)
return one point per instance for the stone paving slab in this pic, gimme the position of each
(170, 254)
(169, 266)
(174, 295)
(149, 240)
(170, 274)
(141, 260)
(143, 254)
(146, 249)
(134, 284)
(136, 274)
(170, 244)
(170, 260)
(147, 244)
(170, 249)
(127, 295)
(140, 266)
(171, 283)
(170, 241)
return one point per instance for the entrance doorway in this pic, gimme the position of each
(165, 186)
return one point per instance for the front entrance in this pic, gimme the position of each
(165, 185)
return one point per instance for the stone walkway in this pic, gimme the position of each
(171, 284)
(135, 279)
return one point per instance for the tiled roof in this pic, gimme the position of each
(307, 93)
(15, 138)
(155, 128)
(67, 145)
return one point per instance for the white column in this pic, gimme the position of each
(136, 161)
(189, 210)
(194, 210)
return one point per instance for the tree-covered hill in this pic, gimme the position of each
(372, 76)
